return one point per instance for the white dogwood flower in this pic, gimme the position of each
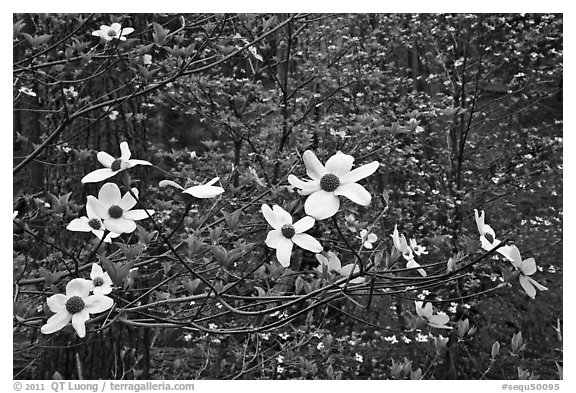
(76, 307)
(527, 267)
(425, 311)
(101, 281)
(286, 234)
(487, 235)
(112, 165)
(401, 245)
(91, 223)
(202, 191)
(368, 239)
(418, 250)
(115, 209)
(114, 31)
(331, 181)
(333, 265)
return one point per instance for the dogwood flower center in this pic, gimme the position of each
(98, 281)
(329, 182)
(75, 304)
(95, 223)
(288, 231)
(115, 211)
(116, 165)
(112, 33)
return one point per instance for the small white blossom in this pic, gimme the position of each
(115, 31)
(112, 165)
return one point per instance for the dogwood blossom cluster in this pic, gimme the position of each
(525, 268)
(78, 304)
(327, 184)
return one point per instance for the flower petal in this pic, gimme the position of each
(78, 287)
(116, 27)
(79, 225)
(512, 253)
(98, 303)
(479, 221)
(128, 202)
(527, 286)
(349, 269)
(283, 217)
(537, 284)
(307, 242)
(334, 262)
(127, 30)
(103, 289)
(270, 217)
(98, 175)
(439, 321)
(486, 245)
(96, 271)
(109, 195)
(314, 169)
(96, 208)
(528, 266)
(120, 225)
(284, 251)
(355, 192)
(57, 303)
(274, 238)
(420, 308)
(360, 173)
(133, 163)
(303, 224)
(78, 322)
(56, 322)
(138, 214)
(306, 187)
(339, 164)
(321, 205)
(124, 149)
(105, 159)
(204, 191)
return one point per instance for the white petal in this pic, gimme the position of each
(103, 289)
(284, 251)
(314, 169)
(270, 217)
(512, 253)
(528, 266)
(360, 173)
(274, 238)
(307, 242)
(283, 217)
(439, 321)
(339, 164)
(109, 195)
(116, 27)
(527, 286)
(133, 163)
(355, 192)
(334, 262)
(411, 264)
(306, 187)
(303, 224)
(321, 205)
(79, 322)
(120, 225)
(56, 322)
(128, 202)
(323, 262)
(486, 245)
(79, 225)
(166, 183)
(127, 30)
(96, 208)
(96, 271)
(98, 175)
(479, 221)
(137, 215)
(57, 303)
(124, 149)
(347, 270)
(78, 287)
(204, 191)
(372, 238)
(420, 308)
(98, 303)
(537, 284)
(105, 159)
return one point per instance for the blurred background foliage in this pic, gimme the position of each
(463, 112)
